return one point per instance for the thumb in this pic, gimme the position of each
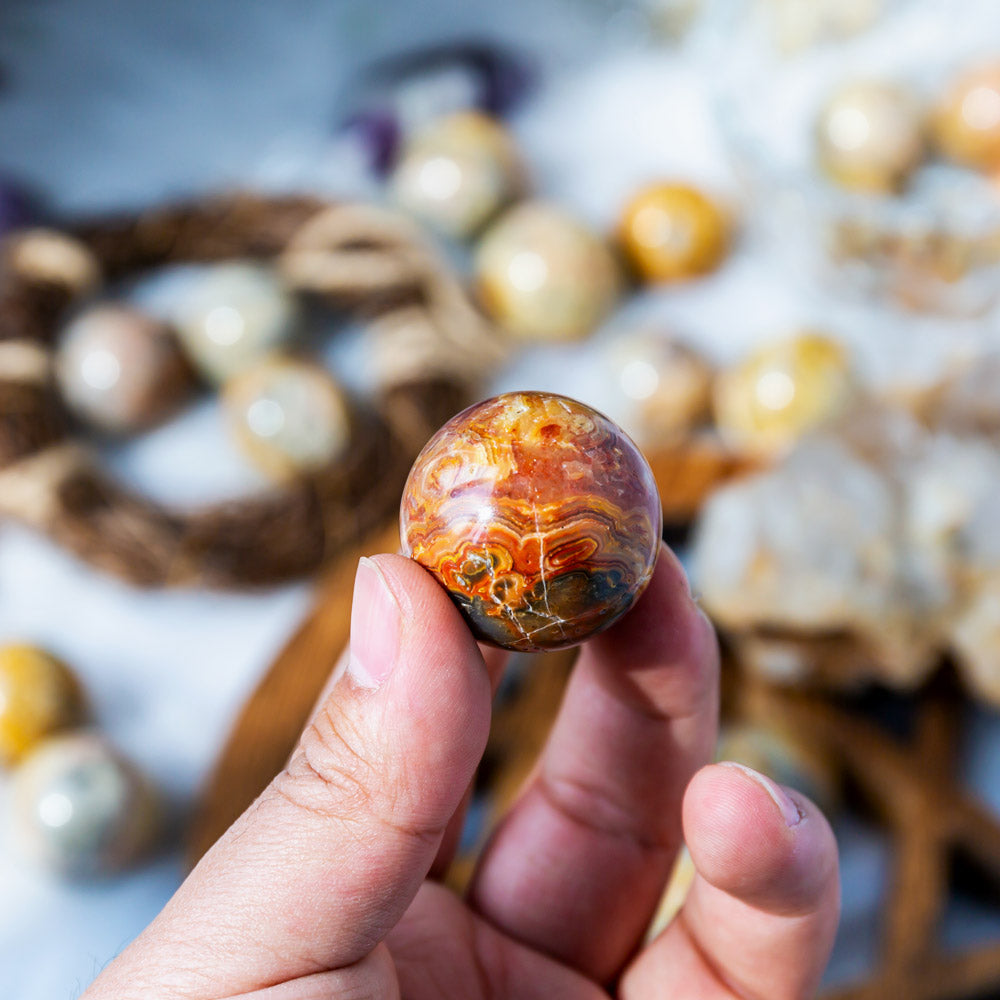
(327, 860)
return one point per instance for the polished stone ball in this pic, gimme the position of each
(80, 809)
(38, 695)
(458, 172)
(966, 125)
(673, 232)
(539, 516)
(545, 276)
(870, 136)
(288, 416)
(121, 370)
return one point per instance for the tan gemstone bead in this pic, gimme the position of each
(544, 275)
(120, 369)
(673, 232)
(664, 387)
(457, 173)
(870, 136)
(235, 315)
(288, 416)
(80, 809)
(966, 125)
(38, 695)
(764, 405)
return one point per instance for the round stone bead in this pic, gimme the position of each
(51, 257)
(766, 403)
(539, 516)
(663, 385)
(870, 136)
(38, 695)
(232, 317)
(288, 416)
(457, 173)
(673, 232)
(120, 370)
(966, 124)
(545, 276)
(80, 809)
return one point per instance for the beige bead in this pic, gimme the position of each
(120, 369)
(664, 387)
(458, 173)
(234, 316)
(288, 416)
(46, 255)
(870, 136)
(966, 124)
(764, 405)
(544, 275)
(38, 695)
(80, 809)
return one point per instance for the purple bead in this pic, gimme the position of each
(378, 133)
(18, 207)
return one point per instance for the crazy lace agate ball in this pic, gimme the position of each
(539, 516)
(80, 809)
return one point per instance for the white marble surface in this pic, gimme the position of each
(109, 105)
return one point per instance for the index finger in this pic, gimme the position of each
(578, 866)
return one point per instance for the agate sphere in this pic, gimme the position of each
(545, 276)
(233, 316)
(288, 416)
(783, 390)
(80, 808)
(458, 172)
(38, 695)
(119, 369)
(870, 136)
(673, 232)
(966, 125)
(539, 516)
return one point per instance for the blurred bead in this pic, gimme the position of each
(38, 695)
(46, 255)
(120, 369)
(966, 125)
(544, 275)
(288, 416)
(671, 232)
(665, 387)
(80, 808)
(232, 317)
(17, 206)
(767, 402)
(458, 173)
(870, 136)
(799, 24)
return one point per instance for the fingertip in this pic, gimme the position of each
(765, 844)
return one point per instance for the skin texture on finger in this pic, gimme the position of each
(316, 872)
(577, 868)
(443, 951)
(762, 913)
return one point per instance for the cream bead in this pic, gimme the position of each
(458, 173)
(232, 317)
(46, 255)
(870, 136)
(288, 416)
(544, 275)
(80, 809)
(120, 369)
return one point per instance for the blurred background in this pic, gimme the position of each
(763, 235)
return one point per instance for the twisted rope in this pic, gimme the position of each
(431, 347)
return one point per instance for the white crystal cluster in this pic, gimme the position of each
(872, 550)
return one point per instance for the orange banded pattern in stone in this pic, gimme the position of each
(538, 515)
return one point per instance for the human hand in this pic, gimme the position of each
(326, 886)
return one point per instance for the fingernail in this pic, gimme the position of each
(375, 627)
(790, 812)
